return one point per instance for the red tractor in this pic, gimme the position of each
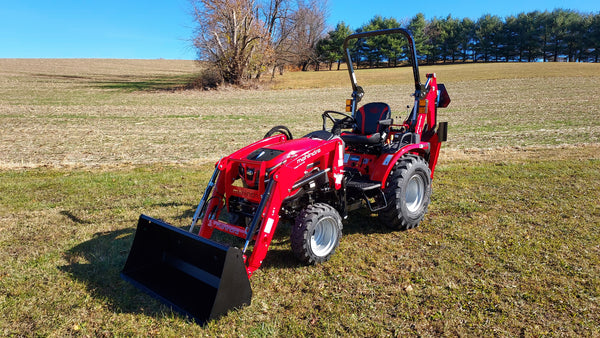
(364, 160)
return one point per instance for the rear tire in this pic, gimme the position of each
(408, 193)
(316, 233)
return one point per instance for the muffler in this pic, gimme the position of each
(195, 276)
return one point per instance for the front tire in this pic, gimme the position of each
(408, 193)
(316, 233)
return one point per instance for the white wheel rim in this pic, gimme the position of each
(323, 238)
(414, 193)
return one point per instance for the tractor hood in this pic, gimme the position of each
(279, 152)
(258, 161)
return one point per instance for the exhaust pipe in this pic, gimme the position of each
(195, 276)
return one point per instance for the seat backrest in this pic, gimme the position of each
(368, 116)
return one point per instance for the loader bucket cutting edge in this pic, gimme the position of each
(195, 276)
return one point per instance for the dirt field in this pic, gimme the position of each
(103, 112)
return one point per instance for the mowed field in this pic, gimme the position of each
(510, 245)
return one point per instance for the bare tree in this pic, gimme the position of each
(229, 34)
(277, 17)
(309, 26)
(243, 38)
(294, 27)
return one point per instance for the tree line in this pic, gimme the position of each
(245, 39)
(560, 35)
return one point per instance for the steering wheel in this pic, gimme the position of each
(346, 122)
(279, 129)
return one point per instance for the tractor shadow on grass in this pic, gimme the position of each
(97, 263)
(364, 222)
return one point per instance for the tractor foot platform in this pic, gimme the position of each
(371, 192)
(365, 185)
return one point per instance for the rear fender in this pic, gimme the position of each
(385, 163)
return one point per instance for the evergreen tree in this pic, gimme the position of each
(594, 37)
(487, 31)
(417, 26)
(466, 38)
(435, 40)
(383, 47)
(330, 48)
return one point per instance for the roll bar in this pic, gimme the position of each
(357, 90)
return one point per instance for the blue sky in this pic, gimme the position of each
(153, 29)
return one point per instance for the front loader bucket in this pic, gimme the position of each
(193, 275)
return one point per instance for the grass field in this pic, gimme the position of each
(510, 245)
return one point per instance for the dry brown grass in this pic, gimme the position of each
(446, 73)
(100, 112)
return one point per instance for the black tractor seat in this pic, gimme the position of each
(368, 129)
